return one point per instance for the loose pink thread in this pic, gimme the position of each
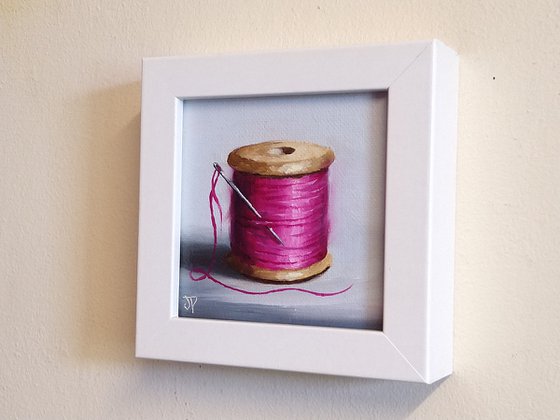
(199, 274)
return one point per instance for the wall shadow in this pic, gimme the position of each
(216, 390)
(112, 127)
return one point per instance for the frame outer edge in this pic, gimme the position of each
(140, 341)
(442, 212)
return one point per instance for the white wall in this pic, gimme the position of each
(69, 104)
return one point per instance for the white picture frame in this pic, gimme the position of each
(415, 344)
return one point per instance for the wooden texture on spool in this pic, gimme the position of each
(280, 159)
(279, 276)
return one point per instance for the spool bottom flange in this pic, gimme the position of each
(279, 276)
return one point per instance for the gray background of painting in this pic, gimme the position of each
(354, 125)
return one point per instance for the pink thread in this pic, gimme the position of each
(199, 274)
(295, 207)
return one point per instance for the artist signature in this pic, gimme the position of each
(190, 301)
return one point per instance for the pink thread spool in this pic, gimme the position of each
(287, 182)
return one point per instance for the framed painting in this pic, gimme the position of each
(299, 206)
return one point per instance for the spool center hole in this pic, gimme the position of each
(281, 151)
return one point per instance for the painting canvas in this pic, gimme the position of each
(296, 243)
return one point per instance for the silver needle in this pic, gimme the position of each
(245, 200)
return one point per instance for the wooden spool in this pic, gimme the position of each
(280, 159)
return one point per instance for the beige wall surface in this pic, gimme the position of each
(70, 74)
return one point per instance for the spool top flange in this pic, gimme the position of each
(281, 158)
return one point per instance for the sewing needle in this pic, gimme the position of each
(245, 200)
